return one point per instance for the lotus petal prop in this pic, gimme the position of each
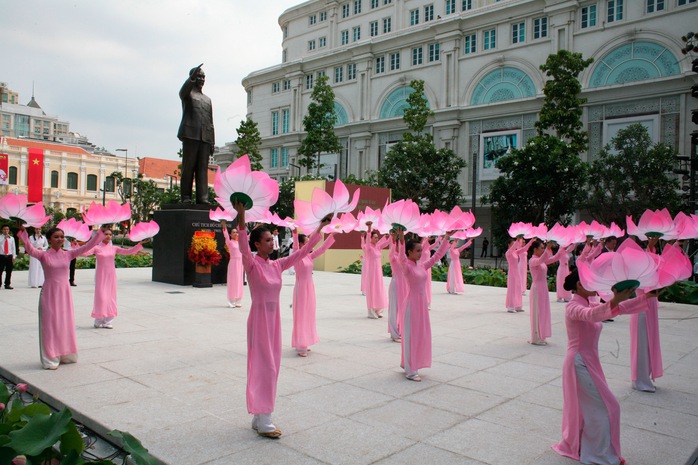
(113, 212)
(369, 215)
(613, 230)
(402, 214)
(143, 230)
(340, 196)
(14, 207)
(439, 223)
(594, 230)
(674, 265)
(467, 233)
(519, 229)
(341, 224)
(540, 231)
(255, 189)
(629, 267)
(461, 219)
(686, 226)
(219, 214)
(75, 229)
(656, 223)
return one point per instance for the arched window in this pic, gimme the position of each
(341, 113)
(92, 182)
(72, 180)
(503, 84)
(54, 179)
(13, 175)
(396, 102)
(636, 61)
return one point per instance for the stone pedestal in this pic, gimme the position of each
(177, 225)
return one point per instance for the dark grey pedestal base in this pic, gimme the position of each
(170, 262)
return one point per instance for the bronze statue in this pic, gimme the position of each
(197, 136)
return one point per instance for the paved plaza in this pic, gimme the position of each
(172, 373)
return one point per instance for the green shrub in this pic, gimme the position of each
(139, 260)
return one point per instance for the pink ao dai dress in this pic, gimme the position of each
(645, 348)
(264, 323)
(57, 339)
(591, 413)
(539, 300)
(563, 269)
(397, 294)
(454, 279)
(376, 297)
(304, 332)
(514, 299)
(104, 309)
(427, 247)
(234, 278)
(416, 327)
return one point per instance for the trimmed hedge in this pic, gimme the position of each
(139, 260)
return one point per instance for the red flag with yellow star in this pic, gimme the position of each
(35, 176)
(4, 169)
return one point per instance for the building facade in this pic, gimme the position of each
(480, 62)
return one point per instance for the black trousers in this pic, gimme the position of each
(72, 270)
(195, 155)
(6, 265)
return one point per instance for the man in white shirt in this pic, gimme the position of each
(8, 253)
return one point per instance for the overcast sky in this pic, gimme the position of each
(113, 68)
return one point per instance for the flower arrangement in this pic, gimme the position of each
(204, 248)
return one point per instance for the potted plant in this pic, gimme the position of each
(203, 251)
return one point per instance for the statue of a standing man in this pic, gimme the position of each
(197, 136)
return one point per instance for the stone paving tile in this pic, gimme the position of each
(269, 453)
(340, 399)
(421, 454)
(456, 399)
(493, 383)
(346, 442)
(490, 443)
(518, 415)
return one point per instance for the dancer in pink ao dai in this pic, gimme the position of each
(514, 299)
(304, 332)
(105, 309)
(376, 297)
(427, 247)
(591, 413)
(416, 327)
(645, 348)
(454, 280)
(397, 294)
(57, 339)
(563, 269)
(264, 321)
(539, 300)
(234, 278)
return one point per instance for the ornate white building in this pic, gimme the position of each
(480, 62)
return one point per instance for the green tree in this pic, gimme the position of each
(248, 143)
(318, 125)
(370, 178)
(544, 181)
(414, 169)
(631, 175)
(562, 107)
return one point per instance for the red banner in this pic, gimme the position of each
(35, 176)
(4, 169)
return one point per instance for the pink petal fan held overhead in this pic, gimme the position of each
(402, 214)
(341, 224)
(75, 229)
(519, 229)
(112, 213)
(540, 231)
(613, 230)
(656, 223)
(14, 208)
(255, 189)
(686, 226)
(219, 214)
(674, 265)
(143, 230)
(461, 219)
(629, 267)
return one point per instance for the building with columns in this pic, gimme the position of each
(480, 62)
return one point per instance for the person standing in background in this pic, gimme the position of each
(8, 253)
(485, 245)
(36, 272)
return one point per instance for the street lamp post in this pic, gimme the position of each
(295, 166)
(125, 169)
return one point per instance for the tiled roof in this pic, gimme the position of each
(157, 168)
(53, 146)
